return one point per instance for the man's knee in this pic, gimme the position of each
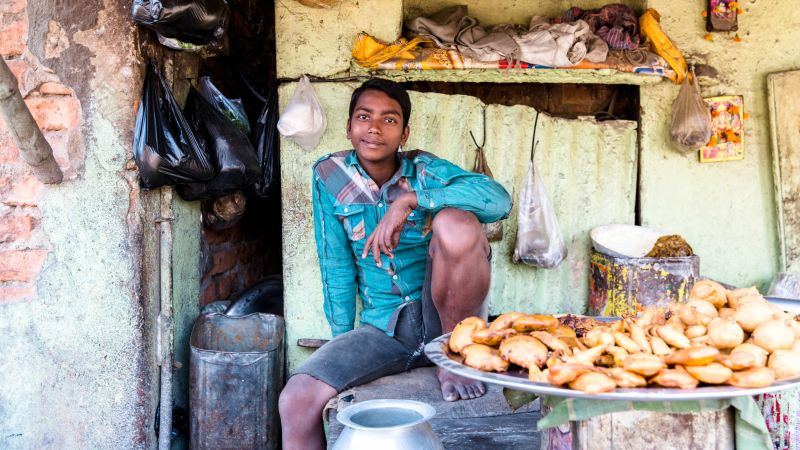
(303, 396)
(458, 232)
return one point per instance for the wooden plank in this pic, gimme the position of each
(785, 133)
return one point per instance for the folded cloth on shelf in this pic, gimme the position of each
(616, 24)
(541, 43)
(750, 428)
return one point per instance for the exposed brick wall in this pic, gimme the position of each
(237, 258)
(23, 244)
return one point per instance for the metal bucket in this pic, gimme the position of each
(235, 376)
(387, 425)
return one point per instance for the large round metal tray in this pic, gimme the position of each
(438, 352)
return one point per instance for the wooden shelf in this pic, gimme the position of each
(582, 76)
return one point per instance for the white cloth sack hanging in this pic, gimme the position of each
(539, 240)
(303, 121)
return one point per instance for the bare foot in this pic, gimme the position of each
(455, 387)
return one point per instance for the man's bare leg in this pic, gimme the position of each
(300, 405)
(460, 276)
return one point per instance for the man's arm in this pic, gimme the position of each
(336, 263)
(449, 186)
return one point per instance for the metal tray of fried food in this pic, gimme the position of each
(439, 353)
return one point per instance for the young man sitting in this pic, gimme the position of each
(403, 229)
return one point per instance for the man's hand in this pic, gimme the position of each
(386, 236)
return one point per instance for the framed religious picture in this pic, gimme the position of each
(727, 125)
(722, 15)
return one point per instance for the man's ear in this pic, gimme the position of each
(348, 128)
(404, 137)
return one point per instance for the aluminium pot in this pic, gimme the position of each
(387, 425)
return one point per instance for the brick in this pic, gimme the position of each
(21, 265)
(224, 284)
(15, 229)
(54, 112)
(12, 6)
(222, 261)
(209, 293)
(12, 37)
(53, 88)
(24, 191)
(10, 293)
(9, 151)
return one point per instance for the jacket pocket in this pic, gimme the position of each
(352, 218)
(417, 226)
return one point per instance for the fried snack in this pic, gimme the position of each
(534, 322)
(483, 357)
(566, 372)
(672, 337)
(736, 295)
(795, 326)
(555, 358)
(593, 383)
(675, 323)
(625, 379)
(619, 354)
(758, 353)
(753, 377)
(714, 373)
(581, 324)
(536, 375)
(725, 333)
(650, 316)
(710, 291)
(785, 364)
(693, 356)
(492, 338)
(598, 336)
(659, 346)
(727, 314)
(700, 341)
(752, 314)
(695, 331)
(588, 356)
(639, 336)
(504, 321)
(675, 378)
(643, 364)
(562, 332)
(697, 312)
(524, 351)
(737, 361)
(622, 340)
(773, 335)
(551, 341)
(463, 331)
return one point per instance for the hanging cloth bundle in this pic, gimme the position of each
(494, 230)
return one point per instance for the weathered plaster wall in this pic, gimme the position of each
(73, 373)
(725, 210)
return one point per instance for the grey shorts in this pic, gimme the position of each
(367, 353)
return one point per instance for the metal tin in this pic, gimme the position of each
(437, 352)
(620, 286)
(235, 376)
(387, 425)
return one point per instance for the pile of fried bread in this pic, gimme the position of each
(717, 337)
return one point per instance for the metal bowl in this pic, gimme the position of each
(387, 425)
(437, 351)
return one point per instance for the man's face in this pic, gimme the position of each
(376, 127)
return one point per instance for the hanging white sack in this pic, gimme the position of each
(303, 121)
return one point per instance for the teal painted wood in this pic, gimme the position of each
(589, 169)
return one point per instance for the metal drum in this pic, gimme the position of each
(235, 376)
(387, 425)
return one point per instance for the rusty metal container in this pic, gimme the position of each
(624, 285)
(235, 376)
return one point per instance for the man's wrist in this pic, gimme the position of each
(410, 199)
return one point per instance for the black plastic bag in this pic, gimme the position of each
(233, 109)
(266, 142)
(164, 146)
(231, 152)
(194, 21)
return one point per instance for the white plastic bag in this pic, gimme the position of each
(539, 240)
(303, 120)
(691, 117)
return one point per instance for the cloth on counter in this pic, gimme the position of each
(541, 43)
(750, 428)
(616, 24)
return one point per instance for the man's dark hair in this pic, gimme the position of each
(391, 88)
